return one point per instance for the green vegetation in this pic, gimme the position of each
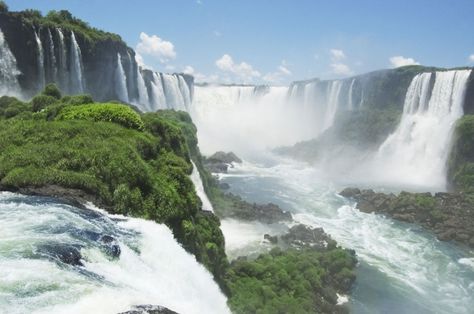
(461, 161)
(292, 281)
(3, 7)
(65, 20)
(129, 165)
(116, 113)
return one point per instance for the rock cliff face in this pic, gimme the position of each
(80, 59)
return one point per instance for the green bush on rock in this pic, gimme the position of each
(116, 113)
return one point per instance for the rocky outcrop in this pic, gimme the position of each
(450, 216)
(302, 236)
(220, 162)
(149, 309)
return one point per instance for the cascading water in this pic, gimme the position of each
(62, 62)
(416, 153)
(184, 90)
(142, 91)
(172, 92)
(123, 262)
(52, 58)
(8, 70)
(334, 89)
(197, 181)
(351, 96)
(40, 62)
(159, 98)
(76, 70)
(121, 81)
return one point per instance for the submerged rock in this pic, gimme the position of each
(450, 216)
(67, 254)
(149, 309)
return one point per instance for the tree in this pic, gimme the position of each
(3, 6)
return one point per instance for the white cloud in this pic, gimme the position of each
(400, 61)
(199, 77)
(341, 69)
(277, 76)
(188, 70)
(471, 58)
(337, 54)
(156, 47)
(198, 1)
(243, 70)
(170, 67)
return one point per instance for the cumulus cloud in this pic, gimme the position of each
(400, 61)
(188, 70)
(278, 76)
(156, 47)
(243, 70)
(337, 54)
(471, 58)
(341, 69)
(199, 77)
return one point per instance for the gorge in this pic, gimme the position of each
(107, 203)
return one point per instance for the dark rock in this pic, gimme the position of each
(67, 254)
(149, 309)
(302, 236)
(220, 162)
(110, 246)
(448, 215)
(270, 238)
(224, 186)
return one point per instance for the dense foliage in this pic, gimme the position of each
(65, 20)
(140, 170)
(292, 281)
(461, 161)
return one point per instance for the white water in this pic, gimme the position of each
(77, 78)
(197, 181)
(351, 96)
(174, 98)
(152, 268)
(402, 268)
(142, 91)
(416, 153)
(121, 81)
(52, 57)
(185, 92)
(40, 62)
(63, 71)
(334, 90)
(159, 99)
(8, 70)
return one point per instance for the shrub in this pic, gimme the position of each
(115, 113)
(40, 102)
(52, 90)
(78, 99)
(3, 7)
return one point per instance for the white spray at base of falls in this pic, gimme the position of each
(40, 62)
(77, 77)
(416, 153)
(201, 193)
(151, 269)
(8, 70)
(121, 80)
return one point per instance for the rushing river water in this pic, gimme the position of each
(402, 268)
(38, 234)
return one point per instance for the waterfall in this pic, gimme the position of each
(8, 70)
(121, 81)
(174, 98)
(40, 62)
(143, 99)
(418, 149)
(62, 63)
(184, 90)
(158, 93)
(334, 89)
(351, 92)
(77, 79)
(196, 178)
(52, 58)
(151, 268)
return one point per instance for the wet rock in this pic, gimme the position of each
(302, 236)
(111, 246)
(220, 162)
(270, 238)
(67, 254)
(449, 215)
(149, 309)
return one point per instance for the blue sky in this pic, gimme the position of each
(278, 41)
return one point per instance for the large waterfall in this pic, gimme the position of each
(40, 62)
(121, 80)
(8, 70)
(123, 262)
(201, 193)
(417, 151)
(77, 77)
(63, 79)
